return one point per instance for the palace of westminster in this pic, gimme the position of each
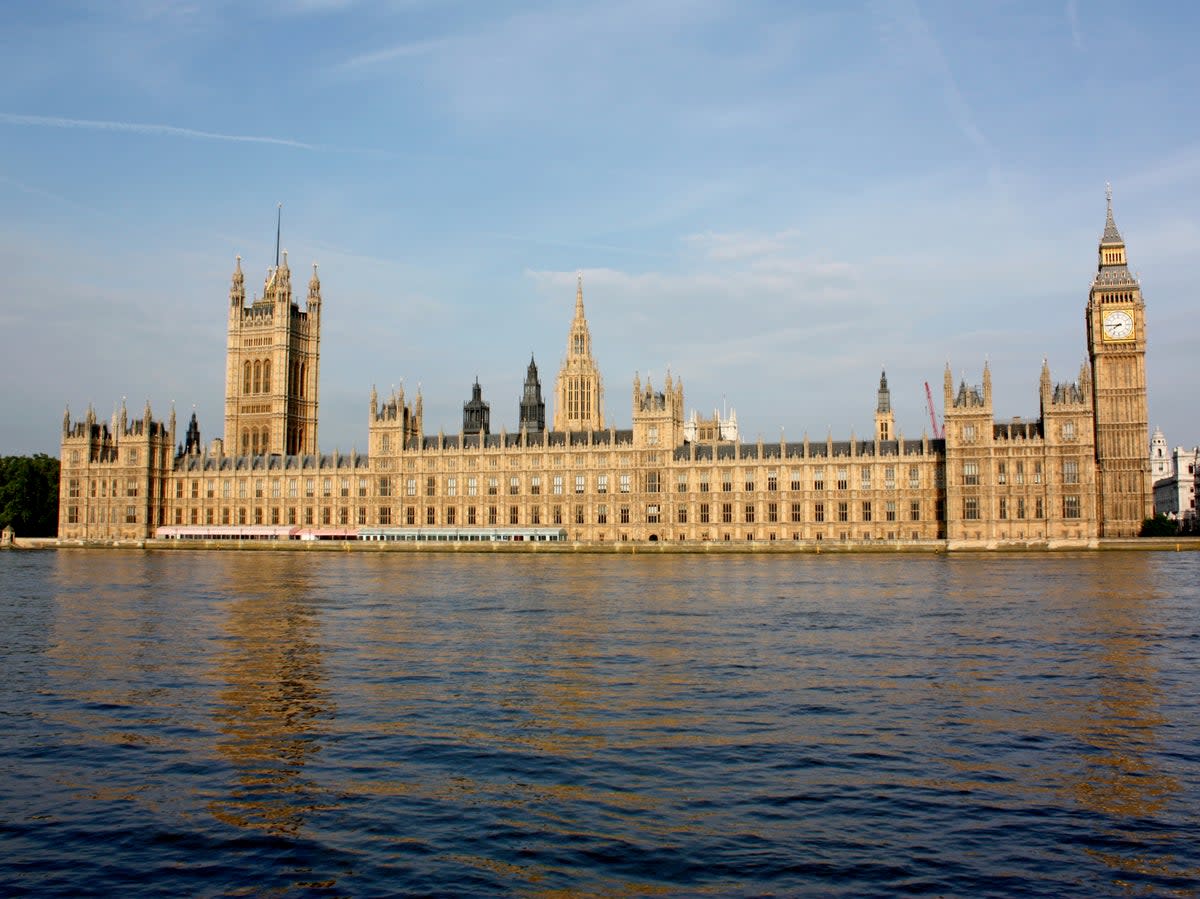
(1077, 472)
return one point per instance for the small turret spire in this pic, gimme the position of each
(237, 288)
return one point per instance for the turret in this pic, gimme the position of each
(237, 289)
(532, 412)
(885, 419)
(476, 413)
(191, 444)
(657, 416)
(314, 293)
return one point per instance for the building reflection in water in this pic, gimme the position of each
(270, 711)
(1120, 722)
(1066, 703)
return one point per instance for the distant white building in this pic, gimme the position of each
(1174, 473)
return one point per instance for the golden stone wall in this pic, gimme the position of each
(1072, 473)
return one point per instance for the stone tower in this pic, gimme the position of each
(532, 418)
(657, 417)
(885, 419)
(1116, 328)
(578, 393)
(272, 358)
(969, 451)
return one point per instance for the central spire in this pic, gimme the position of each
(578, 391)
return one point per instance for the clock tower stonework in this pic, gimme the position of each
(1116, 327)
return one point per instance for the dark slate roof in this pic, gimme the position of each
(1111, 234)
(272, 462)
(1017, 430)
(1115, 276)
(726, 452)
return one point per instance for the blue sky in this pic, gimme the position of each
(773, 199)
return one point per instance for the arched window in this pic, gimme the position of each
(266, 439)
(245, 437)
(303, 373)
(254, 446)
(300, 438)
(257, 377)
(267, 376)
(246, 380)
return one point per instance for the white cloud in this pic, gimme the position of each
(38, 121)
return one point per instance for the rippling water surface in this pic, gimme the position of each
(248, 723)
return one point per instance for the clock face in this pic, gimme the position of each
(1118, 325)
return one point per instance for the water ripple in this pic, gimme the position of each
(212, 724)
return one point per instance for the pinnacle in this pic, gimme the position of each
(1111, 234)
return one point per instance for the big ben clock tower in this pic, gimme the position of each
(1116, 327)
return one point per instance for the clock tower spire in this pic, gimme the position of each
(1116, 319)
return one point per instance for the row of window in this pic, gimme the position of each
(256, 377)
(100, 487)
(705, 513)
(113, 515)
(971, 475)
(493, 486)
(1017, 507)
(967, 432)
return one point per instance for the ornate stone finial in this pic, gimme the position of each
(314, 286)
(67, 418)
(1108, 193)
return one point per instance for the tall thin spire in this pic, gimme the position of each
(1111, 234)
(578, 391)
(278, 226)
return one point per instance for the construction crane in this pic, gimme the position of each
(937, 432)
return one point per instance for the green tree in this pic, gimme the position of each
(29, 495)
(1160, 526)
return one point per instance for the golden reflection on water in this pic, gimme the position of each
(1094, 627)
(273, 699)
(1034, 680)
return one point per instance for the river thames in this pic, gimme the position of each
(225, 723)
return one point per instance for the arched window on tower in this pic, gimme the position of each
(303, 374)
(246, 380)
(267, 376)
(245, 438)
(254, 442)
(257, 377)
(266, 440)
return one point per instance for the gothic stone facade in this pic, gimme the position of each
(1076, 472)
